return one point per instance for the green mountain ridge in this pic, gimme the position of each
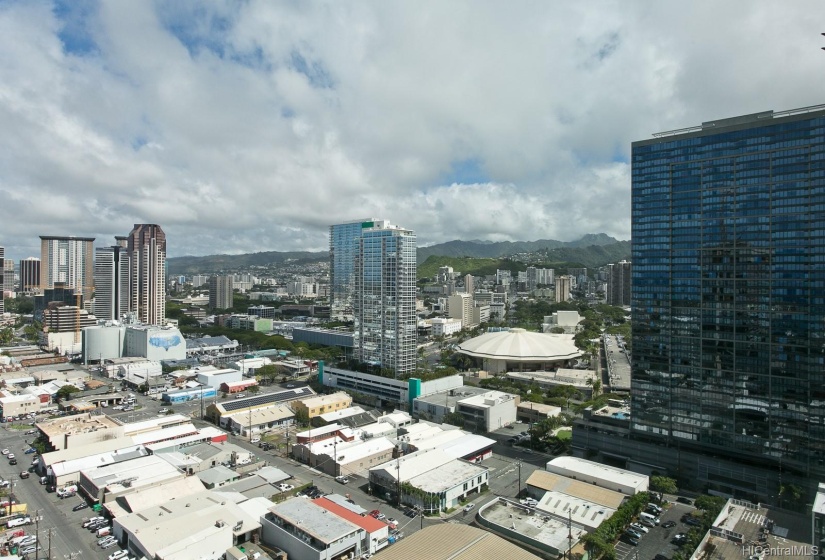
(591, 250)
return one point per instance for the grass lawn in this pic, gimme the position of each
(565, 434)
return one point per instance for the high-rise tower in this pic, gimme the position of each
(112, 282)
(30, 275)
(344, 245)
(727, 299)
(69, 260)
(221, 291)
(384, 297)
(147, 252)
(2, 268)
(618, 283)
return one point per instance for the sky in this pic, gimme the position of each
(244, 126)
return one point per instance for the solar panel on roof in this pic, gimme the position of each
(268, 398)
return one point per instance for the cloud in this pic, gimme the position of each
(251, 126)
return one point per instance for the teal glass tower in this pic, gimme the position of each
(728, 296)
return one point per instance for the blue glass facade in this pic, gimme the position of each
(728, 290)
(344, 244)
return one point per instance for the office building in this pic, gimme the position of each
(220, 292)
(728, 315)
(461, 306)
(564, 284)
(199, 280)
(30, 275)
(112, 283)
(469, 284)
(618, 283)
(8, 277)
(384, 298)
(69, 260)
(344, 245)
(147, 251)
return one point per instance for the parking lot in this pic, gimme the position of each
(658, 539)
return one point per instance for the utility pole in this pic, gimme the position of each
(570, 535)
(519, 478)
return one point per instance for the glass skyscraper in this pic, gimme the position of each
(728, 292)
(383, 298)
(344, 244)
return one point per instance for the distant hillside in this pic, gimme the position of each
(593, 256)
(486, 249)
(477, 257)
(216, 263)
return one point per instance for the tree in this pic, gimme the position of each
(6, 335)
(302, 417)
(663, 484)
(65, 391)
(254, 389)
(454, 419)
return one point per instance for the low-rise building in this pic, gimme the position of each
(456, 541)
(19, 405)
(307, 531)
(536, 412)
(376, 532)
(480, 408)
(627, 482)
(321, 404)
(109, 482)
(429, 479)
(78, 430)
(385, 389)
(338, 457)
(222, 412)
(581, 379)
(214, 377)
(231, 387)
(442, 326)
(202, 526)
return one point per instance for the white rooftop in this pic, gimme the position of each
(172, 432)
(605, 472)
(446, 476)
(521, 345)
(344, 413)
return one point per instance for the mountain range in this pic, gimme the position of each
(591, 250)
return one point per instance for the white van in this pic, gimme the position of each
(648, 519)
(255, 439)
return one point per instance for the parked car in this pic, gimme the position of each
(683, 500)
(27, 550)
(107, 539)
(639, 528)
(81, 505)
(24, 474)
(12, 461)
(10, 455)
(30, 539)
(668, 524)
(375, 513)
(285, 487)
(633, 541)
(693, 521)
(469, 507)
(118, 555)
(91, 520)
(30, 450)
(633, 533)
(342, 479)
(109, 544)
(392, 523)
(679, 539)
(163, 411)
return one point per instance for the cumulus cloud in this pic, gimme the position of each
(253, 126)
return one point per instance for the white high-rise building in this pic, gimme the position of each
(69, 260)
(460, 306)
(384, 297)
(147, 252)
(113, 274)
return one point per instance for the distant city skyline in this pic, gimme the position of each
(251, 126)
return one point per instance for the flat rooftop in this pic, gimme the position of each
(752, 526)
(446, 476)
(604, 472)
(314, 520)
(454, 542)
(550, 482)
(565, 376)
(545, 530)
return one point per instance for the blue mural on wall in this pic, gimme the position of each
(165, 341)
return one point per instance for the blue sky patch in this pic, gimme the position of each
(75, 16)
(465, 172)
(314, 70)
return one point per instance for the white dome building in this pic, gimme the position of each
(521, 350)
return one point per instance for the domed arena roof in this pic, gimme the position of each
(519, 345)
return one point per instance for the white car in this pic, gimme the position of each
(118, 554)
(285, 487)
(469, 507)
(163, 411)
(639, 528)
(28, 550)
(19, 522)
(105, 540)
(5, 452)
(109, 544)
(25, 541)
